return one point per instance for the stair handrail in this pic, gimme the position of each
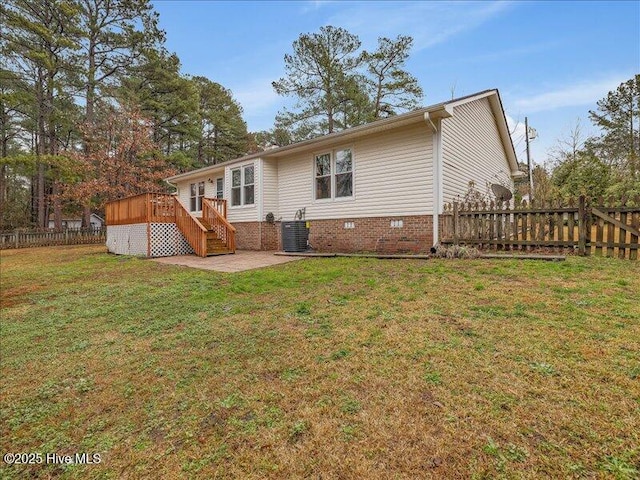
(194, 232)
(225, 231)
(220, 204)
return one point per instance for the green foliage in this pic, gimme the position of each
(391, 87)
(584, 174)
(15, 208)
(338, 87)
(618, 116)
(263, 140)
(164, 96)
(607, 164)
(67, 66)
(319, 74)
(222, 133)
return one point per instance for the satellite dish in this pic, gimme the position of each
(502, 194)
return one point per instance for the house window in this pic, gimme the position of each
(323, 176)
(344, 173)
(219, 187)
(242, 186)
(334, 175)
(247, 181)
(236, 190)
(197, 194)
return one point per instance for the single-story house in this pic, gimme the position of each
(76, 222)
(378, 187)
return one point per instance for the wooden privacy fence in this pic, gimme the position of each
(588, 227)
(77, 236)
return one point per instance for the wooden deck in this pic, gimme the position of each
(211, 234)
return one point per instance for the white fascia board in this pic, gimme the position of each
(210, 170)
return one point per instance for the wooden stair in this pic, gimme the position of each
(215, 245)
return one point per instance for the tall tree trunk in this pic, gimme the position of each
(90, 119)
(3, 192)
(3, 178)
(4, 133)
(53, 150)
(57, 207)
(40, 151)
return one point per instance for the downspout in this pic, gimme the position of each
(260, 200)
(172, 185)
(436, 146)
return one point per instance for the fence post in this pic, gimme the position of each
(455, 223)
(148, 207)
(582, 226)
(15, 234)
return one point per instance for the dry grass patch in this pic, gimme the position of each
(340, 368)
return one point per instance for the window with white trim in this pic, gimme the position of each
(248, 185)
(344, 173)
(243, 186)
(323, 176)
(220, 187)
(334, 174)
(197, 194)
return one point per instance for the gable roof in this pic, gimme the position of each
(438, 110)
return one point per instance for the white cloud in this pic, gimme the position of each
(577, 94)
(429, 23)
(502, 55)
(256, 96)
(516, 129)
(315, 5)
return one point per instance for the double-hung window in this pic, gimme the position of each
(242, 186)
(323, 176)
(220, 187)
(197, 194)
(334, 175)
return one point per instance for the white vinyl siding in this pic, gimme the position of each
(243, 213)
(270, 187)
(184, 189)
(392, 175)
(472, 151)
(196, 194)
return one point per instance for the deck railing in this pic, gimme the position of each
(165, 208)
(194, 232)
(220, 205)
(212, 209)
(143, 208)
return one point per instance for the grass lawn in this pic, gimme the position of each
(321, 368)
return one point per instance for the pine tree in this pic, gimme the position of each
(393, 89)
(319, 74)
(39, 39)
(222, 131)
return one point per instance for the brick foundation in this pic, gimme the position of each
(271, 236)
(373, 234)
(248, 235)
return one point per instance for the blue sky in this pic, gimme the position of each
(551, 61)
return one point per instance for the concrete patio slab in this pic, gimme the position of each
(238, 262)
